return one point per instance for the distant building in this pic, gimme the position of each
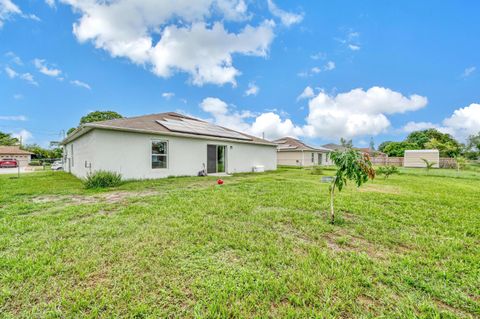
(14, 152)
(415, 158)
(294, 152)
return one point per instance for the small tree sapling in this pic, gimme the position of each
(351, 165)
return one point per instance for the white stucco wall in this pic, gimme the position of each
(130, 154)
(301, 158)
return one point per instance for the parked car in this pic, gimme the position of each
(57, 166)
(8, 162)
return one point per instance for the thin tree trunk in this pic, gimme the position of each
(332, 211)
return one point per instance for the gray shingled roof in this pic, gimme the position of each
(289, 144)
(150, 124)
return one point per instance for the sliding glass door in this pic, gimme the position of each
(216, 158)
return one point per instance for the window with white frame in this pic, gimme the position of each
(159, 154)
(71, 151)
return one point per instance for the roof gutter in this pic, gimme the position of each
(85, 128)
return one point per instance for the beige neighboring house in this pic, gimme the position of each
(414, 158)
(162, 145)
(293, 152)
(14, 152)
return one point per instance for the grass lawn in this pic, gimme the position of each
(258, 246)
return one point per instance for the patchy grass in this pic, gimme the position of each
(258, 246)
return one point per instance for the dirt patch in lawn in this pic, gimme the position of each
(377, 188)
(109, 198)
(343, 241)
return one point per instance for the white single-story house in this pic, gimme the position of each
(415, 158)
(162, 145)
(294, 152)
(15, 152)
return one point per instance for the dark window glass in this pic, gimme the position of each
(159, 154)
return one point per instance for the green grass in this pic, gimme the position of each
(258, 246)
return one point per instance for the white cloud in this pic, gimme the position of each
(462, 123)
(24, 135)
(81, 84)
(287, 18)
(168, 95)
(468, 71)
(306, 94)
(29, 78)
(9, 9)
(14, 58)
(357, 112)
(18, 96)
(329, 66)
(11, 73)
(354, 47)
(253, 89)
(319, 56)
(43, 68)
(269, 124)
(50, 3)
(13, 118)
(188, 42)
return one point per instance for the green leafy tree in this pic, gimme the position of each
(434, 139)
(351, 165)
(472, 147)
(70, 130)
(346, 143)
(382, 146)
(98, 116)
(397, 149)
(372, 145)
(7, 139)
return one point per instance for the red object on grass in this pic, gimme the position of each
(220, 181)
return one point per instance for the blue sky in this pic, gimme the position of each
(366, 68)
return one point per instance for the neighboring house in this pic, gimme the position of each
(334, 147)
(415, 158)
(14, 152)
(162, 145)
(294, 152)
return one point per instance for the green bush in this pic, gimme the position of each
(386, 171)
(317, 170)
(103, 179)
(35, 163)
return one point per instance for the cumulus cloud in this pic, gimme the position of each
(81, 84)
(462, 123)
(253, 89)
(357, 112)
(287, 18)
(351, 114)
(50, 3)
(268, 124)
(189, 41)
(306, 94)
(11, 73)
(354, 47)
(43, 68)
(24, 135)
(14, 58)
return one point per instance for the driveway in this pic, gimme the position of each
(15, 170)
